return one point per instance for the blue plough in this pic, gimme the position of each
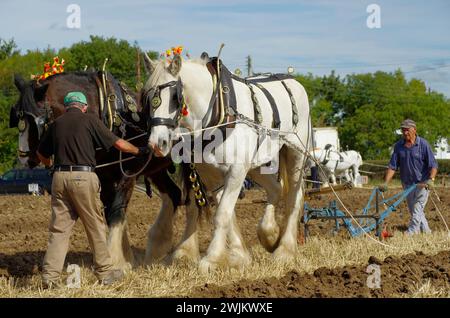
(368, 221)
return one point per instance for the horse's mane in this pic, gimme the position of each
(156, 74)
(26, 101)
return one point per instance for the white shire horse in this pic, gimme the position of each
(183, 94)
(336, 163)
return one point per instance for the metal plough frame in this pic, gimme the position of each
(368, 223)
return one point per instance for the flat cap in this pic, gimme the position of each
(408, 123)
(75, 97)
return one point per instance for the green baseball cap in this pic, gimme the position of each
(75, 97)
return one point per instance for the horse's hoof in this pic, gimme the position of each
(185, 256)
(283, 255)
(239, 259)
(150, 259)
(206, 266)
(125, 266)
(269, 237)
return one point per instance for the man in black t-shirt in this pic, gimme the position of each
(72, 138)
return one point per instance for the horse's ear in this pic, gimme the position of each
(175, 66)
(19, 81)
(205, 57)
(39, 92)
(149, 64)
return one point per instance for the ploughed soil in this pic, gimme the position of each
(24, 232)
(398, 275)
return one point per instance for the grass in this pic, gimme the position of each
(427, 290)
(179, 280)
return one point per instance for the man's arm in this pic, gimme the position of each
(46, 161)
(388, 176)
(433, 173)
(125, 146)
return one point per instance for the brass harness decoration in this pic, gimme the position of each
(196, 185)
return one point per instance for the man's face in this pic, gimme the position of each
(409, 133)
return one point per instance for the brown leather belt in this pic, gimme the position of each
(74, 168)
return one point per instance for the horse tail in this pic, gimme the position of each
(283, 175)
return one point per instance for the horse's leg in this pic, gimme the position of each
(189, 246)
(323, 177)
(333, 178)
(238, 255)
(159, 237)
(223, 218)
(357, 176)
(288, 243)
(268, 230)
(348, 175)
(115, 200)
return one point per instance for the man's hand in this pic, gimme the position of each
(143, 151)
(430, 184)
(383, 187)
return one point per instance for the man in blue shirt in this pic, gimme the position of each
(415, 159)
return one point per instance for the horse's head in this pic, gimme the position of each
(29, 118)
(40, 103)
(318, 153)
(176, 95)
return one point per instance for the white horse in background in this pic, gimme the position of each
(335, 163)
(181, 92)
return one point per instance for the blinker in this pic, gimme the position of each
(21, 125)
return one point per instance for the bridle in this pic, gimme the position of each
(155, 102)
(42, 123)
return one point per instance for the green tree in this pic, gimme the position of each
(122, 57)
(7, 48)
(375, 104)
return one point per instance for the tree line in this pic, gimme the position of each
(366, 108)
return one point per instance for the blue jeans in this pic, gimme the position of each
(417, 200)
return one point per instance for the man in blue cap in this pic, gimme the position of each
(72, 138)
(414, 157)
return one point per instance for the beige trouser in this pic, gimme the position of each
(76, 194)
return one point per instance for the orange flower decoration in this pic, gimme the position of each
(177, 50)
(174, 51)
(55, 68)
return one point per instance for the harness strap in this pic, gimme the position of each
(257, 109)
(213, 107)
(101, 97)
(113, 98)
(158, 121)
(276, 115)
(294, 104)
(131, 103)
(226, 100)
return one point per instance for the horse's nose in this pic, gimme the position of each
(162, 143)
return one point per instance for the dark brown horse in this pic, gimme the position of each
(40, 103)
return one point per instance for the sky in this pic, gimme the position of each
(311, 36)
